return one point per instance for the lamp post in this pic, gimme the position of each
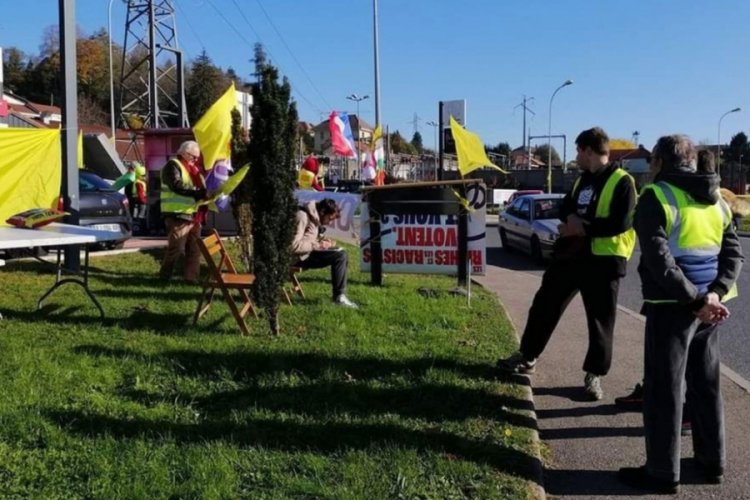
(435, 126)
(111, 75)
(376, 57)
(549, 135)
(357, 99)
(718, 141)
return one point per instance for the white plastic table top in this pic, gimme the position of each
(55, 234)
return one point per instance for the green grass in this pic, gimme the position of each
(396, 400)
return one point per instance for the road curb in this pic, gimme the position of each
(536, 442)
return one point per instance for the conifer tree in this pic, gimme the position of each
(271, 180)
(241, 195)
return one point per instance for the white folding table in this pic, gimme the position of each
(58, 235)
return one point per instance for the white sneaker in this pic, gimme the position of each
(593, 387)
(343, 301)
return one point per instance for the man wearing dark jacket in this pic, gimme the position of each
(182, 185)
(690, 260)
(596, 239)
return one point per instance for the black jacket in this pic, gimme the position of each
(171, 175)
(583, 203)
(661, 278)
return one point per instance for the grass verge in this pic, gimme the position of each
(395, 400)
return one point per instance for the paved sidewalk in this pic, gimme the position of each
(588, 442)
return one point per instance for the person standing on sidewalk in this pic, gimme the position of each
(182, 184)
(596, 239)
(690, 260)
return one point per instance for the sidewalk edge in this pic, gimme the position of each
(536, 448)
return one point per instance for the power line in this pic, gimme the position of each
(192, 29)
(252, 45)
(291, 53)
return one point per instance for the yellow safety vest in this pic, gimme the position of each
(173, 203)
(695, 232)
(623, 244)
(305, 179)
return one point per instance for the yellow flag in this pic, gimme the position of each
(214, 129)
(30, 169)
(471, 154)
(80, 149)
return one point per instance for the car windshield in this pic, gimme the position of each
(92, 182)
(547, 209)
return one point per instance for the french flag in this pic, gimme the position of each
(342, 139)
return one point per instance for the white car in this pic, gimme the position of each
(530, 223)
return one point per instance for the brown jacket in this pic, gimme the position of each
(306, 235)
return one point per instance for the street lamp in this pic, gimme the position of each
(358, 99)
(111, 76)
(549, 136)
(718, 141)
(435, 126)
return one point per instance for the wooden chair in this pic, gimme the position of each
(296, 286)
(224, 276)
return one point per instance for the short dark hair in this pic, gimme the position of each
(326, 206)
(706, 162)
(594, 138)
(675, 150)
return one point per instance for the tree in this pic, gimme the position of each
(14, 68)
(621, 144)
(205, 83)
(738, 147)
(271, 179)
(400, 146)
(416, 141)
(241, 195)
(542, 153)
(502, 149)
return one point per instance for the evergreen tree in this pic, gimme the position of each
(241, 195)
(272, 178)
(205, 84)
(416, 141)
(738, 147)
(14, 69)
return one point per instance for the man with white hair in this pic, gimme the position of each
(182, 184)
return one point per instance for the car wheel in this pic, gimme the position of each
(504, 241)
(536, 250)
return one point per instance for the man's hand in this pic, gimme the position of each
(574, 226)
(325, 244)
(713, 311)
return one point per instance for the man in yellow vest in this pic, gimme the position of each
(596, 239)
(182, 185)
(690, 260)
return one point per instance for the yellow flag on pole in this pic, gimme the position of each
(214, 129)
(471, 153)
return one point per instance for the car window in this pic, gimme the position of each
(92, 182)
(514, 207)
(547, 209)
(524, 211)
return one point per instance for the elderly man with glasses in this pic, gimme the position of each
(182, 185)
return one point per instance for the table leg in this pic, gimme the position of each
(59, 281)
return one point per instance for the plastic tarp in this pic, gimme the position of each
(30, 170)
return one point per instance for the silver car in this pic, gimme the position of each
(530, 224)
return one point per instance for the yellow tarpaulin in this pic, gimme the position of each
(214, 129)
(470, 150)
(30, 170)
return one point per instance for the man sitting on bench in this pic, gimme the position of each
(313, 251)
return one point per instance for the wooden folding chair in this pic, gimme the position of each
(296, 286)
(225, 280)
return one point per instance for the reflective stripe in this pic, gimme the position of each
(173, 203)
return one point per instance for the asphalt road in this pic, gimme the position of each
(735, 341)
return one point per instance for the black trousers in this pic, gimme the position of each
(679, 351)
(338, 261)
(599, 286)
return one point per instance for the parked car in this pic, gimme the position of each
(522, 192)
(103, 208)
(530, 224)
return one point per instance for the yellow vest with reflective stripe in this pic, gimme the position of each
(173, 203)
(694, 230)
(305, 179)
(621, 245)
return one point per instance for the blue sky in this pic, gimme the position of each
(655, 66)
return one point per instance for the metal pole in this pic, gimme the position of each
(152, 83)
(111, 75)
(441, 140)
(549, 136)
(69, 132)
(377, 61)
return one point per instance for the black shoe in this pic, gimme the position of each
(714, 474)
(639, 478)
(633, 401)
